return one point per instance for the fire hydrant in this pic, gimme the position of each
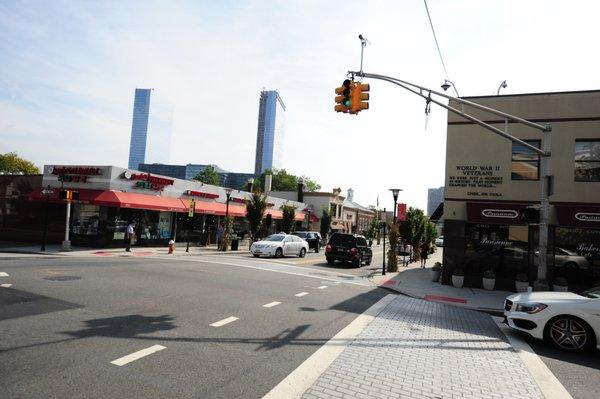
(171, 246)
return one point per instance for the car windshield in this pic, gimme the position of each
(593, 292)
(301, 234)
(275, 237)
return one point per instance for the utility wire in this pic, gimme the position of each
(436, 40)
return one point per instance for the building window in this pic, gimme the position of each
(525, 163)
(587, 160)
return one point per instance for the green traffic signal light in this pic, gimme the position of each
(346, 92)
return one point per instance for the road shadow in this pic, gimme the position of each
(586, 359)
(17, 303)
(128, 326)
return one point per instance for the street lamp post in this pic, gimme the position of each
(46, 192)
(395, 192)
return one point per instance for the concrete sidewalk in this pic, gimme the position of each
(12, 248)
(416, 282)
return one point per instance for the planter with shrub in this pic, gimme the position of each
(489, 280)
(522, 282)
(561, 284)
(435, 272)
(458, 277)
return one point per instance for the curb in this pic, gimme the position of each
(490, 311)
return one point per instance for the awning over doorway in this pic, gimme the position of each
(215, 208)
(138, 201)
(578, 215)
(438, 213)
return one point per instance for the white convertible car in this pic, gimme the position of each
(279, 245)
(568, 321)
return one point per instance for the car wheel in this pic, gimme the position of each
(570, 334)
(330, 261)
(317, 249)
(367, 263)
(356, 263)
(256, 255)
(279, 253)
(302, 253)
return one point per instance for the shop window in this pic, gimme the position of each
(502, 249)
(525, 163)
(576, 256)
(587, 160)
(86, 220)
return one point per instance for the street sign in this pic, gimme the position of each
(191, 210)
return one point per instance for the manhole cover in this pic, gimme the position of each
(62, 278)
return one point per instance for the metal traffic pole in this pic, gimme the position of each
(384, 228)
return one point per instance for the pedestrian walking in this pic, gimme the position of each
(129, 236)
(220, 230)
(424, 252)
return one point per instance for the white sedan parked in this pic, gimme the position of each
(568, 321)
(279, 245)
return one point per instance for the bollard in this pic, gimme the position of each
(171, 246)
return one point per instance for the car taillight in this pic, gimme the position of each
(328, 248)
(353, 251)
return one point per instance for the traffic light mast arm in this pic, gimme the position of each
(540, 284)
(421, 90)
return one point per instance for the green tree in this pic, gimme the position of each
(284, 181)
(12, 163)
(255, 211)
(209, 176)
(392, 254)
(373, 228)
(289, 214)
(325, 223)
(414, 229)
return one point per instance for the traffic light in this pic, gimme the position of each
(343, 101)
(68, 195)
(530, 215)
(358, 93)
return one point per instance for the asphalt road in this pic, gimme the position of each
(64, 320)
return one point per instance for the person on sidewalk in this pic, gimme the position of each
(220, 230)
(129, 235)
(424, 253)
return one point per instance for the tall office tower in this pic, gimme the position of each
(139, 128)
(435, 196)
(270, 135)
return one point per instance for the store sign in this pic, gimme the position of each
(500, 213)
(238, 200)
(201, 194)
(73, 178)
(76, 170)
(496, 243)
(587, 217)
(588, 250)
(147, 181)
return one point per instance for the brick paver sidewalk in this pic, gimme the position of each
(420, 349)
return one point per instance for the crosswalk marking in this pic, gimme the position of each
(137, 355)
(224, 321)
(301, 294)
(5, 285)
(322, 287)
(271, 304)
(3, 274)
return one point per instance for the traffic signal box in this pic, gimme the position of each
(69, 195)
(350, 97)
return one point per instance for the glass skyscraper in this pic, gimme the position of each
(139, 128)
(269, 138)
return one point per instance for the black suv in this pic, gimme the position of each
(348, 248)
(311, 237)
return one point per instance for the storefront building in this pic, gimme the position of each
(111, 197)
(490, 182)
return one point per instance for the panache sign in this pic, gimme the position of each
(147, 181)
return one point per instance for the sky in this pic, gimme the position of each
(68, 71)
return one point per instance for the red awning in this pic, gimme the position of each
(578, 215)
(274, 214)
(139, 201)
(314, 218)
(300, 216)
(216, 208)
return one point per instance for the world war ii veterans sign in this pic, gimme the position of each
(477, 179)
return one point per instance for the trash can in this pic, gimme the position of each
(235, 242)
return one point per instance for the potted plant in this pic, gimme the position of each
(458, 277)
(435, 272)
(561, 284)
(489, 280)
(522, 282)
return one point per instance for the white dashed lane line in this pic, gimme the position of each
(3, 274)
(224, 321)
(5, 285)
(137, 355)
(322, 287)
(301, 294)
(271, 304)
